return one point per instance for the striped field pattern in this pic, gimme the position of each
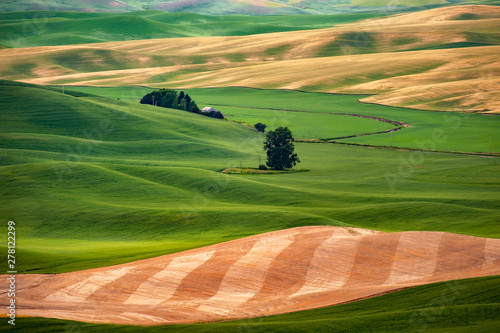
(432, 49)
(271, 273)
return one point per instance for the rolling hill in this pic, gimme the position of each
(433, 50)
(279, 272)
(327, 116)
(469, 305)
(124, 214)
(247, 7)
(87, 159)
(38, 28)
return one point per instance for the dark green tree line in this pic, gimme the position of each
(169, 98)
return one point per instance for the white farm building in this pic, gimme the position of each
(208, 109)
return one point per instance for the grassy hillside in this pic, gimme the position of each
(470, 305)
(93, 178)
(317, 122)
(92, 181)
(38, 28)
(432, 49)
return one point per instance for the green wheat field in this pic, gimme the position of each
(93, 178)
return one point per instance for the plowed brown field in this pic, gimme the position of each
(271, 273)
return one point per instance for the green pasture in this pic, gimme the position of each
(93, 178)
(447, 131)
(93, 181)
(453, 131)
(39, 28)
(306, 125)
(470, 305)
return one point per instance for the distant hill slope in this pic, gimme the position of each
(419, 60)
(248, 7)
(39, 28)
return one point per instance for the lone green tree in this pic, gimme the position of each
(280, 149)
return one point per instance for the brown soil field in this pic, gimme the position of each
(376, 56)
(276, 272)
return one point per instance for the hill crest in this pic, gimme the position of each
(248, 7)
(433, 50)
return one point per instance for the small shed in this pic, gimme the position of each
(208, 109)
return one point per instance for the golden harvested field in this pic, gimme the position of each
(459, 70)
(277, 272)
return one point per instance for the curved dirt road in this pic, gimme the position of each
(399, 124)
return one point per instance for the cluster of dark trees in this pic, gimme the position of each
(169, 98)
